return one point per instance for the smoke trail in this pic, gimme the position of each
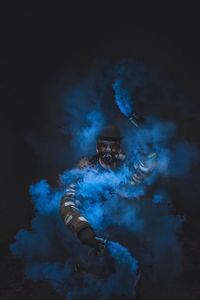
(122, 98)
(136, 217)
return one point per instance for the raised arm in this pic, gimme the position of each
(144, 168)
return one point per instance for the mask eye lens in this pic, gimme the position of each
(101, 146)
(115, 147)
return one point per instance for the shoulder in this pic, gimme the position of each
(84, 163)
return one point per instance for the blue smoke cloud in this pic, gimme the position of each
(136, 220)
(86, 136)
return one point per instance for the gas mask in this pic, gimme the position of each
(108, 151)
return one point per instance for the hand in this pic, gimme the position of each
(136, 119)
(101, 243)
(88, 237)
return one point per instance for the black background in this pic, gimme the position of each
(42, 42)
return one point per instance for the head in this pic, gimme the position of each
(109, 146)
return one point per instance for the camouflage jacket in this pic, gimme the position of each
(69, 210)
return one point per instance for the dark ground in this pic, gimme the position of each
(41, 43)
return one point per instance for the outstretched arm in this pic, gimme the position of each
(75, 221)
(70, 212)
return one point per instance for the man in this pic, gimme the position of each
(109, 157)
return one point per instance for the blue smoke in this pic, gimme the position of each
(122, 98)
(136, 220)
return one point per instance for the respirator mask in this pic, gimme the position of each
(108, 151)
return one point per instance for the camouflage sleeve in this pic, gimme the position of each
(69, 210)
(144, 168)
